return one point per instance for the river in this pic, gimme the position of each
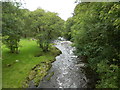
(67, 71)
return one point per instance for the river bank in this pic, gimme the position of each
(40, 70)
(17, 67)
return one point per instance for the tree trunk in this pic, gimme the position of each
(25, 36)
(12, 49)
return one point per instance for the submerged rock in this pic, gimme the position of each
(80, 65)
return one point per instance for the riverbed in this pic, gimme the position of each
(67, 71)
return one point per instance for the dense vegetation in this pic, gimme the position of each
(95, 31)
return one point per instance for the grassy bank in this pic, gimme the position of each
(16, 67)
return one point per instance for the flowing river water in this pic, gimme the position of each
(67, 71)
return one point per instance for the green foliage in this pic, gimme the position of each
(27, 29)
(47, 26)
(11, 25)
(108, 75)
(96, 33)
(68, 25)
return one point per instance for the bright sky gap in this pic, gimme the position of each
(64, 8)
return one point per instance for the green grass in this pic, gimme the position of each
(14, 75)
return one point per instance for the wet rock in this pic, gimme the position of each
(83, 59)
(32, 74)
(31, 84)
(80, 65)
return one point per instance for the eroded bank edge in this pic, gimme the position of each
(39, 71)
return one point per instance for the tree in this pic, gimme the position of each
(47, 26)
(12, 25)
(27, 29)
(68, 30)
